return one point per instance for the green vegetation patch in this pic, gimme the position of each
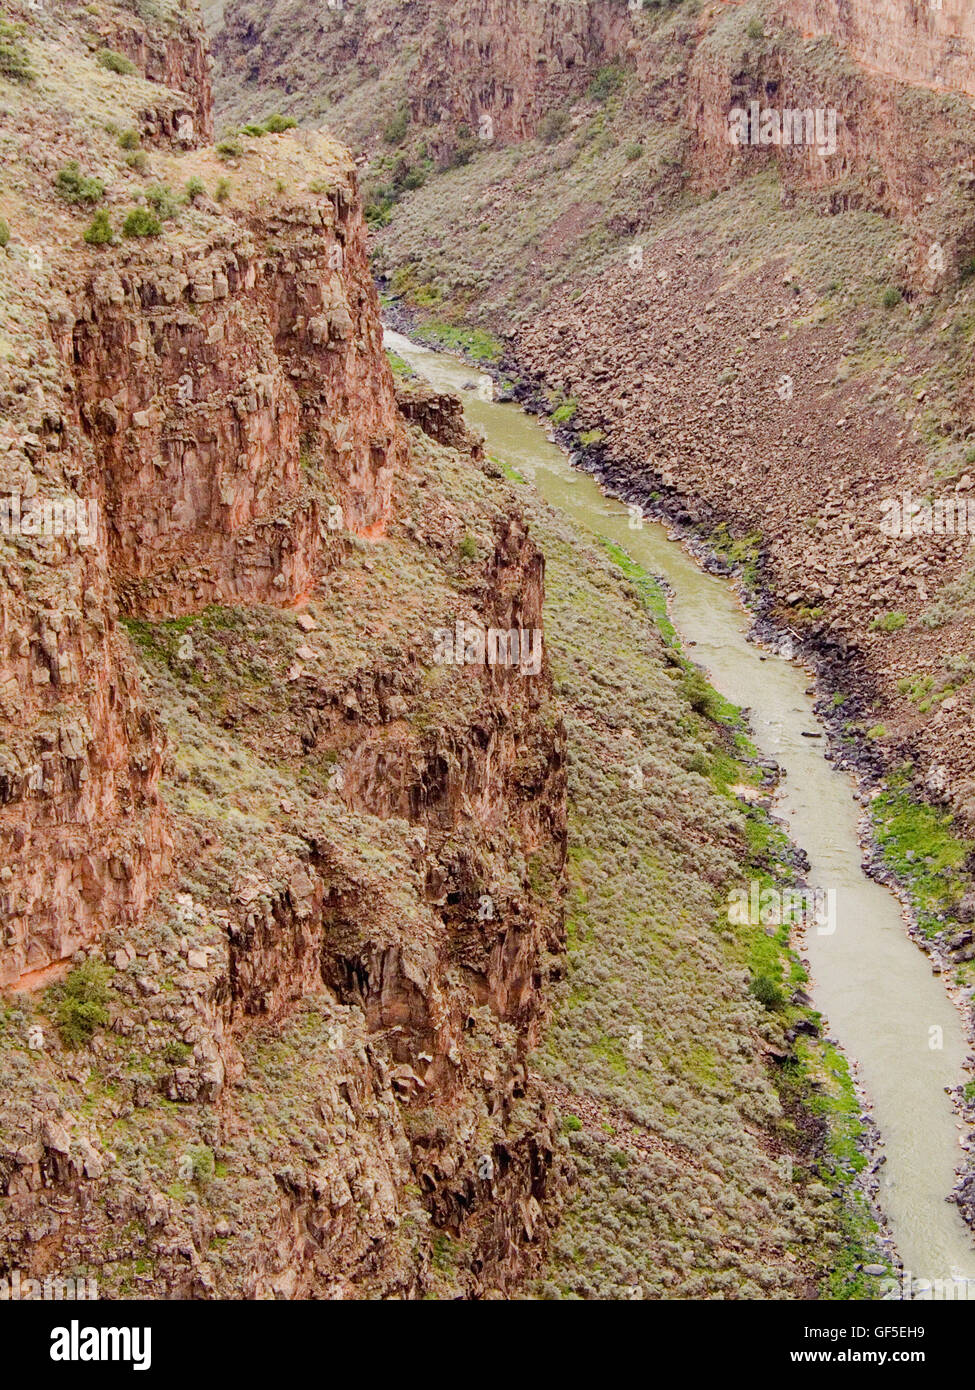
(919, 843)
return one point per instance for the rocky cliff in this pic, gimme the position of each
(931, 42)
(492, 69)
(281, 888)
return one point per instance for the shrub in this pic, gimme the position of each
(701, 696)
(204, 1164)
(276, 124)
(892, 297)
(571, 1124)
(195, 188)
(605, 82)
(888, 622)
(130, 140)
(766, 991)
(230, 149)
(4, 234)
(14, 62)
(394, 133)
(464, 149)
(553, 126)
(755, 29)
(468, 547)
(634, 151)
(255, 131)
(163, 201)
(222, 190)
(99, 231)
(76, 187)
(81, 1008)
(140, 222)
(115, 62)
(377, 214)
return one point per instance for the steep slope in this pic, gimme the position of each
(282, 892)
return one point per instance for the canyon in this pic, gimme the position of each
(334, 970)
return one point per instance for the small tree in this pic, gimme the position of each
(767, 992)
(163, 201)
(81, 1007)
(14, 62)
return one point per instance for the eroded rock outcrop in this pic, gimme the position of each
(494, 67)
(910, 40)
(308, 880)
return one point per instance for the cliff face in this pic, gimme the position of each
(247, 361)
(494, 67)
(509, 62)
(193, 482)
(307, 875)
(895, 149)
(171, 53)
(909, 40)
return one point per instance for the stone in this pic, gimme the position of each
(55, 1136)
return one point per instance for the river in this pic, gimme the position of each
(874, 987)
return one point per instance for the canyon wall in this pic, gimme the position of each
(281, 894)
(194, 483)
(494, 68)
(930, 42)
(238, 364)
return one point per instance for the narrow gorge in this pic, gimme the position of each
(488, 803)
